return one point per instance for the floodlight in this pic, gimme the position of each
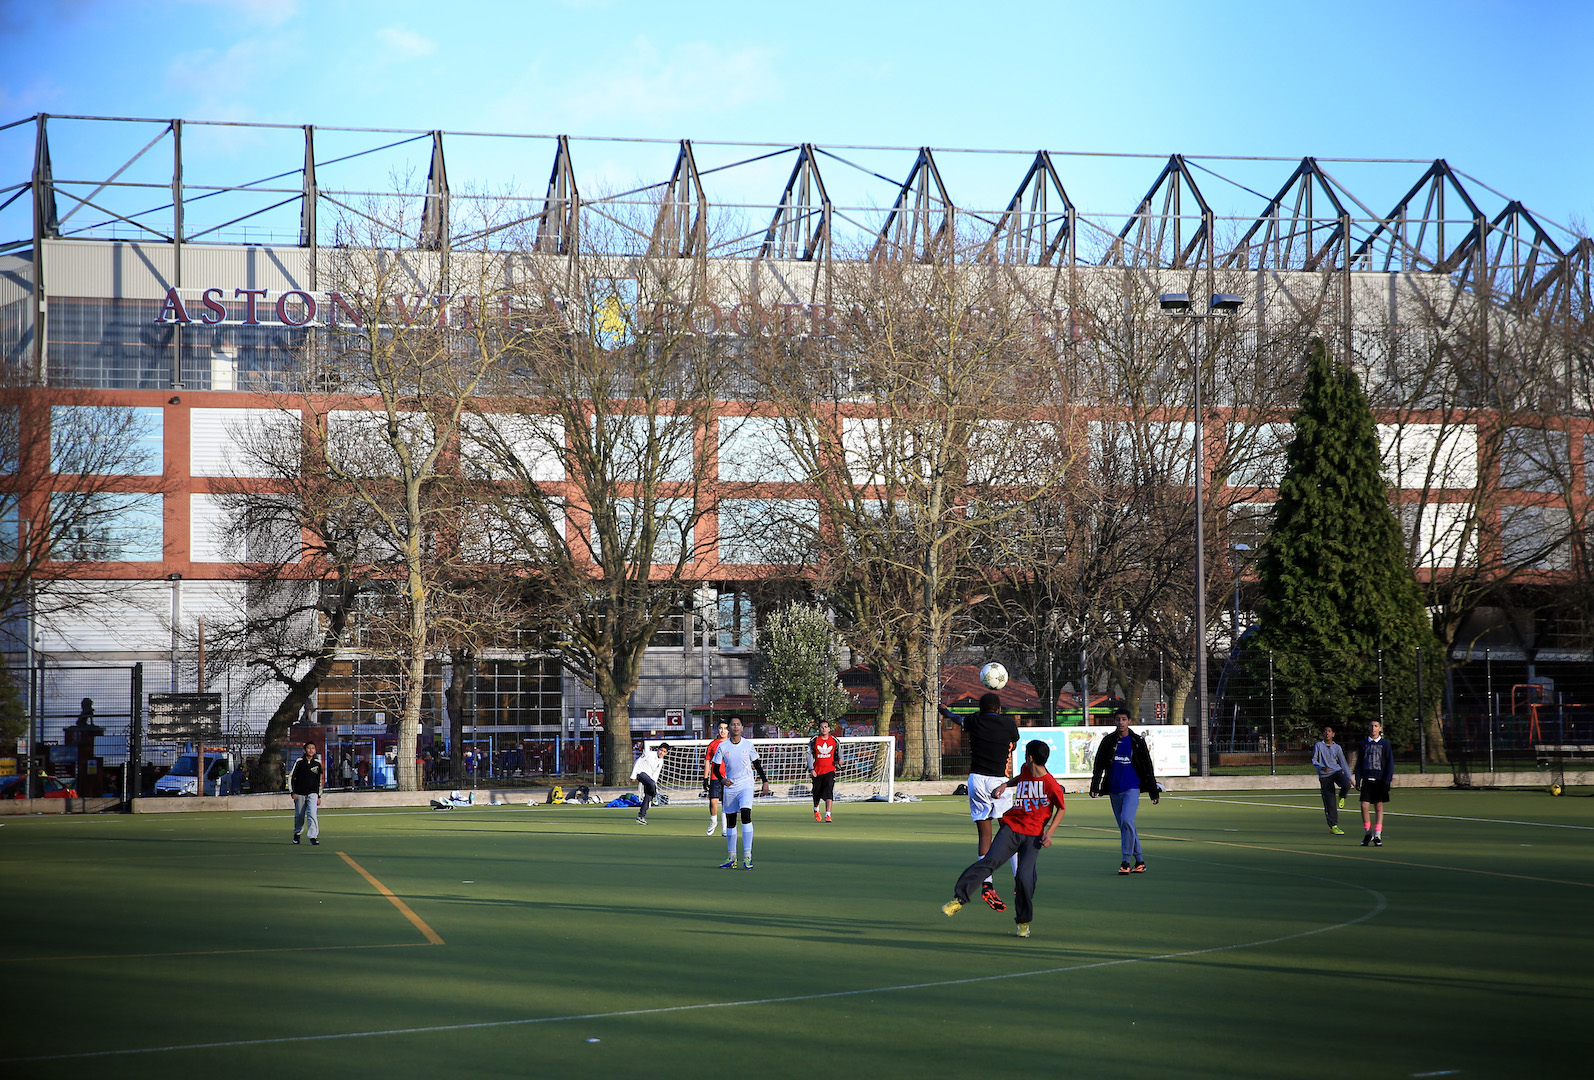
(1175, 303)
(1225, 304)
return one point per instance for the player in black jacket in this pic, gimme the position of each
(306, 782)
(1122, 770)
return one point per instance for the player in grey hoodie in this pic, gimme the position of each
(1333, 772)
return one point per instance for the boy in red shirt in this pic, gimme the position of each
(1025, 829)
(823, 754)
(714, 781)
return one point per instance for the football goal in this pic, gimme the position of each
(864, 771)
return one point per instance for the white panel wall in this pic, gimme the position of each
(1429, 455)
(219, 439)
(533, 440)
(207, 524)
(753, 449)
(111, 616)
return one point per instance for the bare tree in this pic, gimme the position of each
(592, 458)
(923, 421)
(420, 332)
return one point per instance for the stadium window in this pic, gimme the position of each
(106, 527)
(636, 439)
(738, 620)
(1256, 454)
(10, 440)
(1249, 524)
(1535, 459)
(1535, 537)
(766, 531)
(673, 518)
(106, 440)
(754, 449)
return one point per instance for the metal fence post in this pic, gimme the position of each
(1422, 719)
(1488, 677)
(1272, 725)
(135, 733)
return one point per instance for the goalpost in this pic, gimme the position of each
(865, 769)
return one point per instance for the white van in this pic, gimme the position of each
(182, 780)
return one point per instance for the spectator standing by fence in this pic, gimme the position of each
(306, 782)
(1375, 769)
(1333, 776)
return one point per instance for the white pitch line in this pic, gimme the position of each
(1380, 904)
(1394, 813)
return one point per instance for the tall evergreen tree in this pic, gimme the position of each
(794, 674)
(1339, 599)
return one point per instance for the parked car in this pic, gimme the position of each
(181, 780)
(44, 787)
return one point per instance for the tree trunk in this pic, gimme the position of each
(1181, 699)
(912, 733)
(462, 666)
(1436, 739)
(269, 774)
(414, 688)
(930, 718)
(888, 705)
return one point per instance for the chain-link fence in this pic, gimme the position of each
(1485, 711)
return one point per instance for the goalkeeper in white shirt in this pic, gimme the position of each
(739, 759)
(647, 770)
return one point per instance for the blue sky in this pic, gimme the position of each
(1499, 89)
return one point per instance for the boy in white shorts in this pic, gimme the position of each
(992, 737)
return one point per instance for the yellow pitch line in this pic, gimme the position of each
(200, 952)
(1355, 858)
(404, 909)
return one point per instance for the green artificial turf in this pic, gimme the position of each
(578, 943)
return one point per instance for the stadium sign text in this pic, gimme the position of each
(298, 308)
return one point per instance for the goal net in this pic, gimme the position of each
(864, 771)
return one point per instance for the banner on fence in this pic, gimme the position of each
(1074, 748)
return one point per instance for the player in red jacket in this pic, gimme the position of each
(824, 754)
(714, 781)
(1025, 829)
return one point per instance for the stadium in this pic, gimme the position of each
(221, 384)
(164, 309)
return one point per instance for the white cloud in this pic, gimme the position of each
(219, 83)
(634, 84)
(406, 42)
(267, 14)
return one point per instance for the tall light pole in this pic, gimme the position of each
(1221, 306)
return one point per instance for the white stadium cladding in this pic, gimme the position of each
(132, 277)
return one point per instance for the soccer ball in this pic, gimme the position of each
(993, 675)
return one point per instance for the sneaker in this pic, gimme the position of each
(728, 864)
(640, 820)
(988, 894)
(1124, 867)
(1023, 929)
(1336, 830)
(827, 819)
(1378, 840)
(1342, 802)
(816, 815)
(295, 838)
(315, 841)
(747, 864)
(1139, 868)
(951, 908)
(1367, 838)
(713, 827)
